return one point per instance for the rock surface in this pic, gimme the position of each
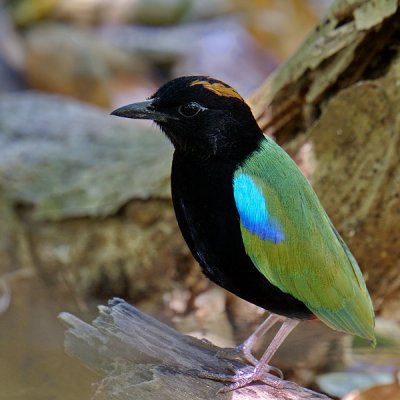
(68, 159)
(75, 62)
(84, 198)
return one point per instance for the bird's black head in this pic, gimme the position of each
(200, 115)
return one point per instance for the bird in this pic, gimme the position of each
(252, 220)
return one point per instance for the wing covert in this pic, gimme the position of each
(292, 242)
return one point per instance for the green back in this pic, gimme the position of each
(313, 263)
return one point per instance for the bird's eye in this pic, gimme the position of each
(190, 109)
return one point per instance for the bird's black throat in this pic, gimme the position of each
(203, 200)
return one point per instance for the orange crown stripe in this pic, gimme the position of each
(219, 89)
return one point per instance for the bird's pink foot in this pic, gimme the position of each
(239, 352)
(243, 353)
(244, 376)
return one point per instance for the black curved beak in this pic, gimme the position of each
(143, 110)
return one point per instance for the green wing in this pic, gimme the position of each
(294, 245)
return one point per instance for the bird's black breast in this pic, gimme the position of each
(203, 200)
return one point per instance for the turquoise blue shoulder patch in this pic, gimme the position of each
(252, 209)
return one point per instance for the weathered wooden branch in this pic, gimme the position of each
(142, 358)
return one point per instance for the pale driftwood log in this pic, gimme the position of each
(142, 358)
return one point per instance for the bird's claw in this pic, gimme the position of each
(243, 353)
(239, 352)
(276, 371)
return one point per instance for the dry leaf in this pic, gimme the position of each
(378, 392)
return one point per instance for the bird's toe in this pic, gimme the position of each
(243, 377)
(239, 352)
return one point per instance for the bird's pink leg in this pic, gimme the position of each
(243, 378)
(244, 350)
